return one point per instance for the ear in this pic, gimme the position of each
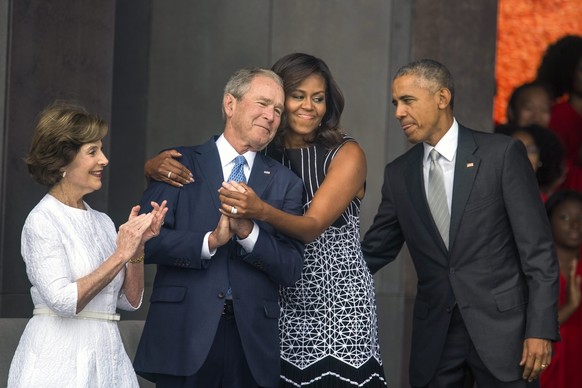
(444, 98)
(228, 103)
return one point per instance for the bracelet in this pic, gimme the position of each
(137, 260)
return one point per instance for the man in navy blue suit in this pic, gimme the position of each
(213, 316)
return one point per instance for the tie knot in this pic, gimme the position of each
(434, 155)
(237, 174)
(240, 161)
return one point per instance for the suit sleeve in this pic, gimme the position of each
(180, 247)
(384, 239)
(533, 237)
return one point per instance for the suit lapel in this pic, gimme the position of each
(261, 174)
(210, 168)
(466, 167)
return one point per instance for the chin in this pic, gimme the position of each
(258, 146)
(414, 140)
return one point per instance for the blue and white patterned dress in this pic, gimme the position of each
(328, 323)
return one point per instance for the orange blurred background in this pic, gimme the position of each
(524, 30)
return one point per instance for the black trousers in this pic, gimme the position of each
(225, 366)
(460, 365)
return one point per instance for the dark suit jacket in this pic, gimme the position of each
(500, 269)
(188, 293)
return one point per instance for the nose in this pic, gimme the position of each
(269, 114)
(103, 161)
(399, 111)
(542, 118)
(307, 104)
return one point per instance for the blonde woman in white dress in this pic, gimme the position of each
(80, 267)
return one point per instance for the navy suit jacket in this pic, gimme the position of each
(500, 269)
(188, 292)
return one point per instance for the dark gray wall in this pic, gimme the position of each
(55, 50)
(4, 33)
(156, 69)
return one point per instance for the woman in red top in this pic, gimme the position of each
(561, 71)
(564, 209)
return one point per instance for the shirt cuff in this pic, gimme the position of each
(249, 242)
(206, 253)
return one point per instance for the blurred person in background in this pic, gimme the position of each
(564, 210)
(561, 71)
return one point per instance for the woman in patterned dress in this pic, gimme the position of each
(328, 322)
(80, 268)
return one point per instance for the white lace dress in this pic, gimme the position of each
(59, 245)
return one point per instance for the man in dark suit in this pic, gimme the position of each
(213, 317)
(471, 215)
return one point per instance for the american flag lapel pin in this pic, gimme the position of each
(470, 164)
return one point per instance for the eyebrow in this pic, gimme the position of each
(270, 101)
(405, 96)
(264, 99)
(303, 91)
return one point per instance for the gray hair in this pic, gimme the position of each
(240, 82)
(432, 71)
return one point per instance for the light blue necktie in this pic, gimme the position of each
(238, 173)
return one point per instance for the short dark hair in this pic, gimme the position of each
(432, 71)
(559, 63)
(560, 197)
(296, 67)
(62, 128)
(518, 91)
(506, 129)
(552, 155)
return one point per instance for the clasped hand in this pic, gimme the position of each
(233, 222)
(243, 198)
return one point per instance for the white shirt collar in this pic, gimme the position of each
(447, 145)
(227, 153)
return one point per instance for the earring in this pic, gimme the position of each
(64, 174)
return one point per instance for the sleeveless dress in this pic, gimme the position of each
(59, 245)
(328, 323)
